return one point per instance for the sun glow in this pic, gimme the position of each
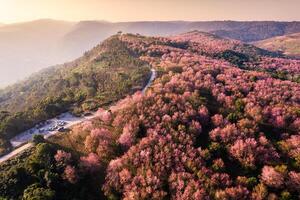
(139, 10)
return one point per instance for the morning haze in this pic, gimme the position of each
(29, 44)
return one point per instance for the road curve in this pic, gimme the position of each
(80, 120)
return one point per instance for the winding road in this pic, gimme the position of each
(22, 141)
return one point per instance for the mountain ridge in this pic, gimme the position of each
(27, 47)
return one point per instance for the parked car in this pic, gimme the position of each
(61, 123)
(61, 129)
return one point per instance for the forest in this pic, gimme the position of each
(219, 122)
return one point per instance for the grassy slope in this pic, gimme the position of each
(288, 44)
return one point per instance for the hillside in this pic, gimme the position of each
(30, 46)
(215, 46)
(102, 75)
(242, 55)
(288, 44)
(216, 124)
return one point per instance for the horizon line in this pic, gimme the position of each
(135, 21)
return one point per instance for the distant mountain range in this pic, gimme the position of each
(287, 44)
(30, 46)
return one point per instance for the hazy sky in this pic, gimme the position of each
(136, 10)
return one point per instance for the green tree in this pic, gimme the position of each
(37, 139)
(36, 192)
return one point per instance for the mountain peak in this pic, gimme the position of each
(197, 33)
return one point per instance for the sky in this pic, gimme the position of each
(12, 11)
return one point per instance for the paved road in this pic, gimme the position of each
(15, 152)
(25, 137)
